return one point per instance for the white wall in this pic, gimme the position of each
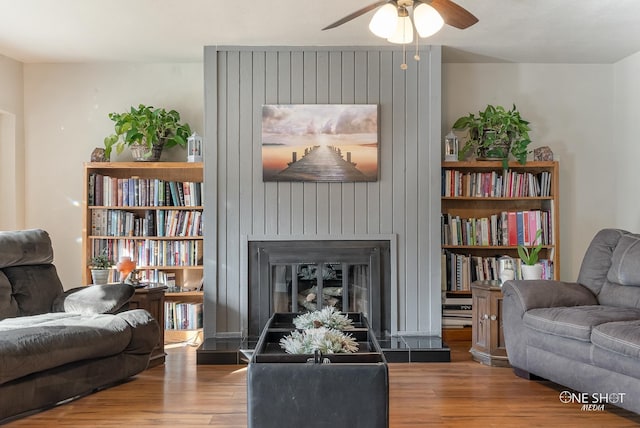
(11, 144)
(66, 108)
(626, 142)
(570, 108)
(586, 113)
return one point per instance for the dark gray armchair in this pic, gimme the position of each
(584, 335)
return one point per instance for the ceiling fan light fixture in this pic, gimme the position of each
(385, 21)
(404, 31)
(427, 20)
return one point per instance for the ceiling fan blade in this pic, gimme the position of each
(453, 14)
(356, 14)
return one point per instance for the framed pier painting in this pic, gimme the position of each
(320, 142)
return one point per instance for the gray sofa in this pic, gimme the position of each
(57, 345)
(583, 335)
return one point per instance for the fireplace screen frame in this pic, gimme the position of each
(375, 254)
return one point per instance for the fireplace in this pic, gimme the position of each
(297, 275)
(304, 275)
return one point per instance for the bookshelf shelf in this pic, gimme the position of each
(181, 267)
(184, 294)
(152, 212)
(193, 337)
(144, 208)
(491, 248)
(143, 238)
(491, 199)
(477, 200)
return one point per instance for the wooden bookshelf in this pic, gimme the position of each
(466, 198)
(172, 247)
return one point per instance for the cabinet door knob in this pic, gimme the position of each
(485, 316)
(493, 317)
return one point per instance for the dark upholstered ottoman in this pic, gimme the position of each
(286, 390)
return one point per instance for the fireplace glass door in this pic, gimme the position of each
(303, 287)
(303, 276)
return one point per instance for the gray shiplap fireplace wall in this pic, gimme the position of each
(404, 203)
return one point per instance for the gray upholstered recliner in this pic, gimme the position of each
(583, 335)
(57, 345)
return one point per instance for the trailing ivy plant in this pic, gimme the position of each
(496, 133)
(146, 125)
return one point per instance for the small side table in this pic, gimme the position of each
(487, 337)
(151, 298)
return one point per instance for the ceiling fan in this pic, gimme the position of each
(392, 20)
(451, 13)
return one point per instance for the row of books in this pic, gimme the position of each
(460, 270)
(150, 252)
(507, 228)
(182, 315)
(457, 310)
(157, 276)
(510, 184)
(142, 192)
(148, 276)
(169, 223)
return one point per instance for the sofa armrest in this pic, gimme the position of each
(94, 299)
(520, 296)
(533, 294)
(145, 331)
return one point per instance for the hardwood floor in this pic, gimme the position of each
(462, 393)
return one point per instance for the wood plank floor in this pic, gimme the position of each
(462, 393)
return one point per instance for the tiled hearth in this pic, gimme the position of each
(302, 275)
(396, 349)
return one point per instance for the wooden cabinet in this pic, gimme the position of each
(487, 338)
(152, 212)
(151, 299)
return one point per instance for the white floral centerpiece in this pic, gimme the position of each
(325, 340)
(327, 317)
(320, 331)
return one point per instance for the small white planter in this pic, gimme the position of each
(100, 276)
(532, 271)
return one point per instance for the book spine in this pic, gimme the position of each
(180, 189)
(520, 228)
(99, 195)
(92, 190)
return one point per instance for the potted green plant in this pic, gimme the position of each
(495, 133)
(100, 266)
(531, 269)
(146, 130)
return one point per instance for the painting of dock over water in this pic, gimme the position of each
(320, 142)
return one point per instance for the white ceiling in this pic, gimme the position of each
(544, 31)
